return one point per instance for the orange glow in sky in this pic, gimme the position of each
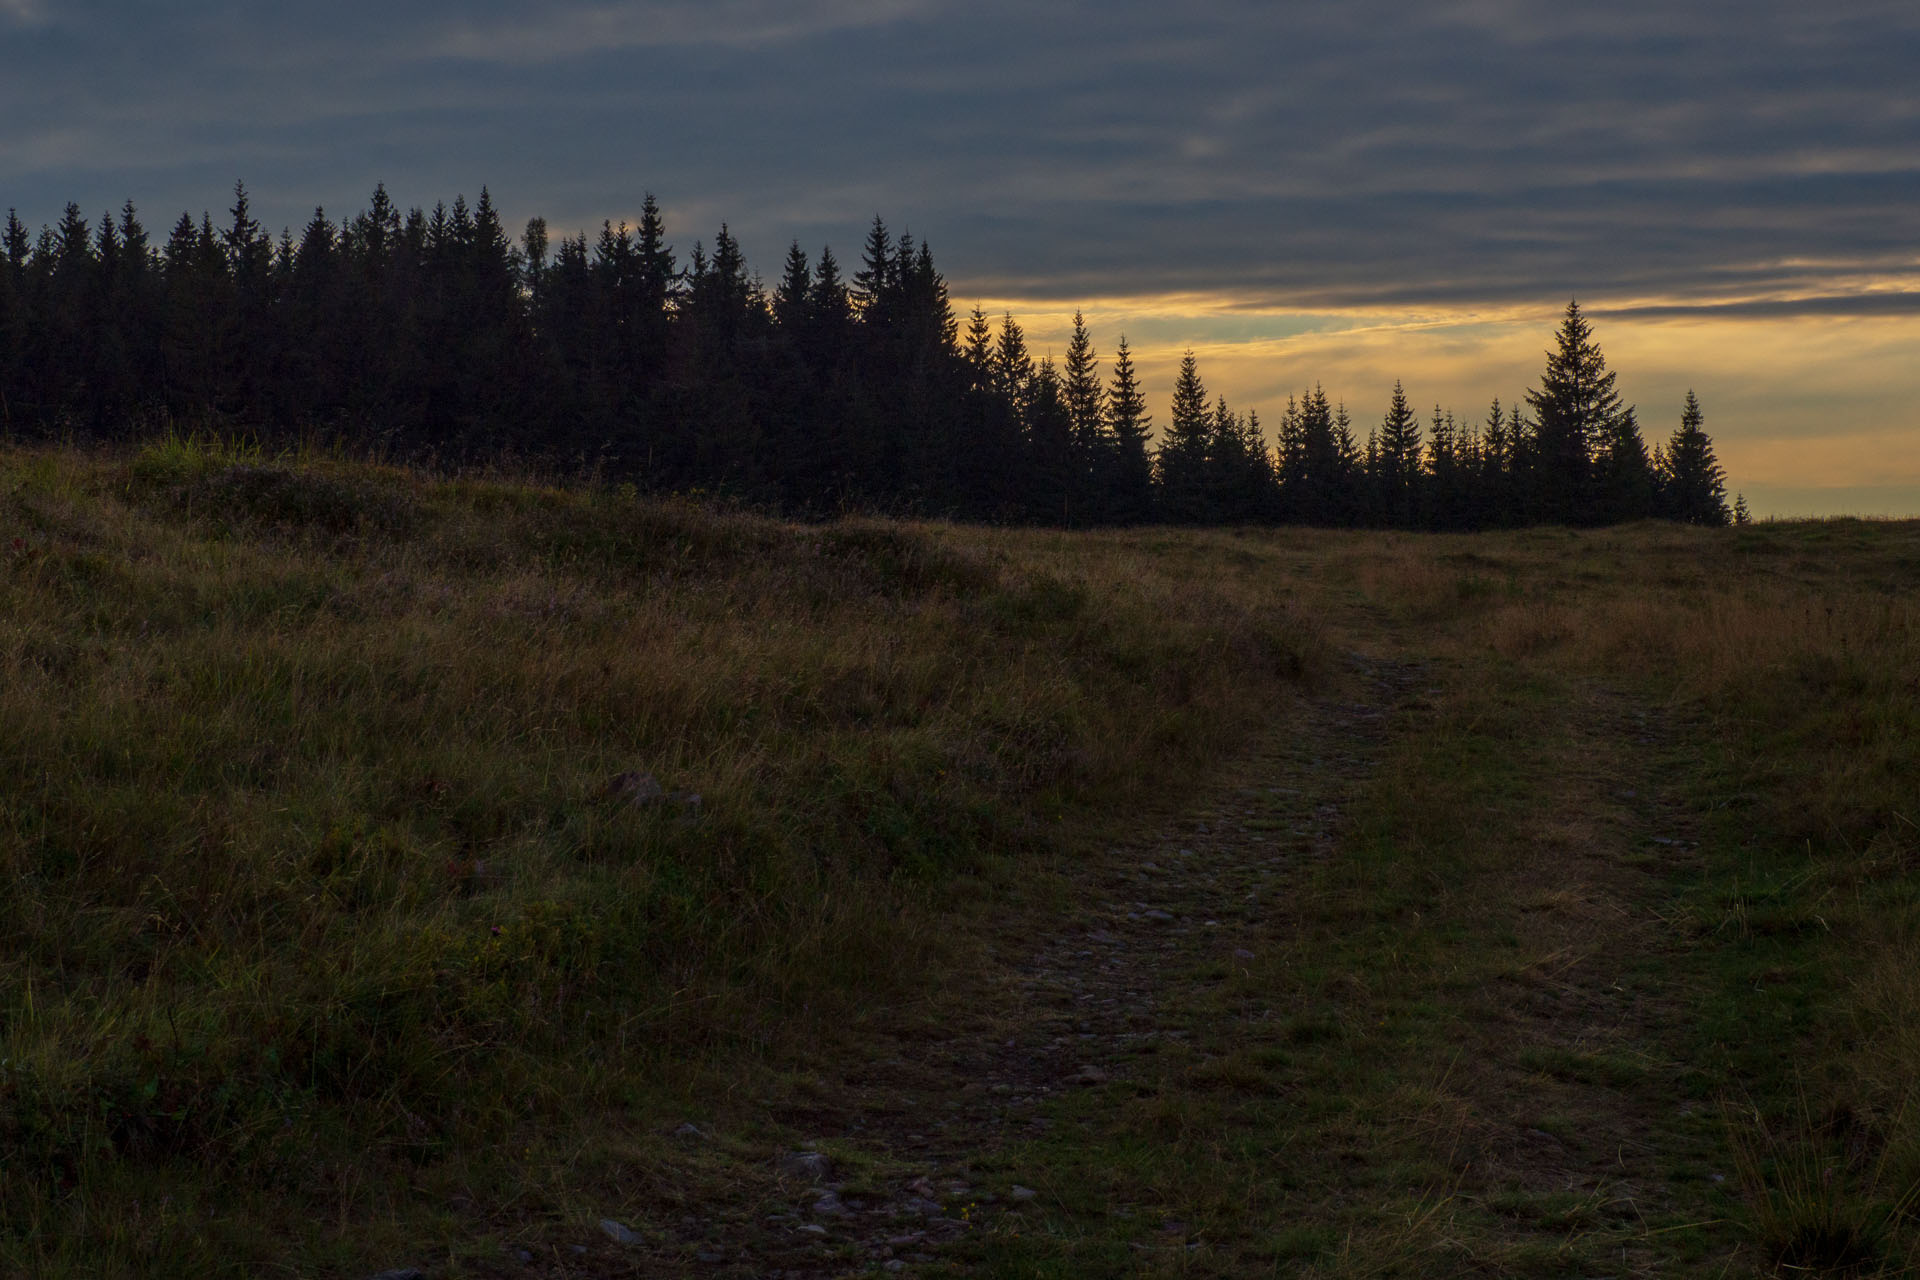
(1810, 415)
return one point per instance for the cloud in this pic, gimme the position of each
(1345, 192)
(1362, 155)
(1892, 302)
(572, 31)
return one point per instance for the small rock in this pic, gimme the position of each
(906, 1241)
(922, 1187)
(813, 1229)
(690, 1132)
(829, 1206)
(637, 789)
(523, 1256)
(577, 1249)
(618, 1232)
(1024, 1194)
(1091, 1075)
(893, 1264)
(1158, 917)
(1242, 954)
(710, 1257)
(925, 1206)
(806, 1164)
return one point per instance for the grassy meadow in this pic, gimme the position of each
(312, 877)
(322, 908)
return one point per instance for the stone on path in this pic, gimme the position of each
(806, 1164)
(619, 1232)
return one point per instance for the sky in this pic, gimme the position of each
(1343, 193)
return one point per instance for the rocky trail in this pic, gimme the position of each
(914, 1157)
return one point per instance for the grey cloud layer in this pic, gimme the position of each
(1296, 154)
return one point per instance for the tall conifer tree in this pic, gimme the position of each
(1182, 457)
(1397, 467)
(1694, 487)
(1129, 426)
(1576, 409)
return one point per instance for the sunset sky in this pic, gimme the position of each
(1335, 192)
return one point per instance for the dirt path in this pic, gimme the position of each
(1237, 1046)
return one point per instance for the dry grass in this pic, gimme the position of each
(1792, 650)
(311, 875)
(315, 895)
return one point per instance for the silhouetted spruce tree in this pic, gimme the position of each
(1227, 465)
(63, 286)
(924, 376)
(1494, 487)
(1086, 409)
(872, 282)
(313, 304)
(377, 295)
(793, 296)
(990, 480)
(718, 417)
(1396, 466)
(1051, 464)
(13, 319)
(1013, 367)
(1575, 409)
(1182, 457)
(1307, 462)
(831, 474)
(1290, 464)
(1259, 488)
(1346, 487)
(534, 243)
(1628, 487)
(130, 320)
(1129, 425)
(1443, 483)
(493, 338)
(249, 250)
(979, 351)
(1693, 488)
(831, 312)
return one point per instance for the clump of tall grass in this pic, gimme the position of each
(1821, 1199)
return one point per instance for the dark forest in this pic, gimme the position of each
(435, 338)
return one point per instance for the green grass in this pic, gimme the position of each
(313, 889)
(324, 943)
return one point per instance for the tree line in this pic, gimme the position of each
(436, 336)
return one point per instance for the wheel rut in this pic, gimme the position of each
(909, 1156)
